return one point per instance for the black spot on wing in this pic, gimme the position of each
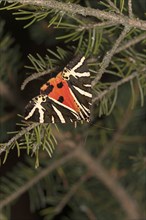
(60, 85)
(61, 99)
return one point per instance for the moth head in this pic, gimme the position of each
(39, 99)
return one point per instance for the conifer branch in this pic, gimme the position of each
(74, 150)
(86, 11)
(6, 146)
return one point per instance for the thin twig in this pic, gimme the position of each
(115, 85)
(107, 58)
(131, 42)
(71, 8)
(35, 76)
(114, 6)
(94, 25)
(71, 193)
(130, 8)
(88, 212)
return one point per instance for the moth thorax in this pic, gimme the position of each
(66, 73)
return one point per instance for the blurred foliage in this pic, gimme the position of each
(9, 67)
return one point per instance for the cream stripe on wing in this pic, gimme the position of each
(30, 113)
(82, 92)
(87, 109)
(65, 106)
(40, 108)
(78, 103)
(80, 63)
(59, 114)
(52, 118)
(78, 74)
(87, 85)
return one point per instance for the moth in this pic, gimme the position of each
(64, 98)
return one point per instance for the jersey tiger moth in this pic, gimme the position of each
(64, 98)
